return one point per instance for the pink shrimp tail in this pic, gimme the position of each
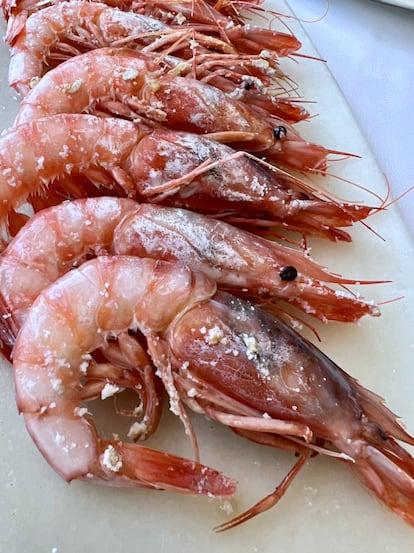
(122, 464)
(158, 470)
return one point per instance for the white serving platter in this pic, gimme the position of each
(326, 509)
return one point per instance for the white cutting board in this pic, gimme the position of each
(326, 509)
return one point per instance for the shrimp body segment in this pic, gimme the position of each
(49, 246)
(247, 189)
(33, 155)
(50, 378)
(246, 264)
(245, 368)
(67, 29)
(131, 84)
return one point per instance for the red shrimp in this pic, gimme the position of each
(148, 165)
(67, 29)
(62, 427)
(226, 358)
(278, 377)
(59, 238)
(131, 84)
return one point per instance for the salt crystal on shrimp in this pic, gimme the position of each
(57, 385)
(111, 459)
(180, 18)
(215, 336)
(74, 87)
(40, 163)
(130, 74)
(109, 390)
(137, 430)
(252, 346)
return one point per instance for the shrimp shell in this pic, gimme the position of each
(246, 38)
(252, 372)
(67, 29)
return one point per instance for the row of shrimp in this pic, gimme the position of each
(169, 130)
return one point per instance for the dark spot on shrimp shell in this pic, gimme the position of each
(383, 435)
(288, 273)
(280, 132)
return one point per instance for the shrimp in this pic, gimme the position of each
(63, 429)
(131, 84)
(61, 237)
(221, 356)
(63, 28)
(16, 12)
(148, 165)
(68, 28)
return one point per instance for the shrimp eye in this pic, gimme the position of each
(280, 132)
(288, 273)
(248, 86)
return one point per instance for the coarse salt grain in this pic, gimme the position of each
(111, 459)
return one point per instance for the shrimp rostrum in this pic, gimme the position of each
(223, 357)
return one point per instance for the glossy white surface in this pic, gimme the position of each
(326, 510)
